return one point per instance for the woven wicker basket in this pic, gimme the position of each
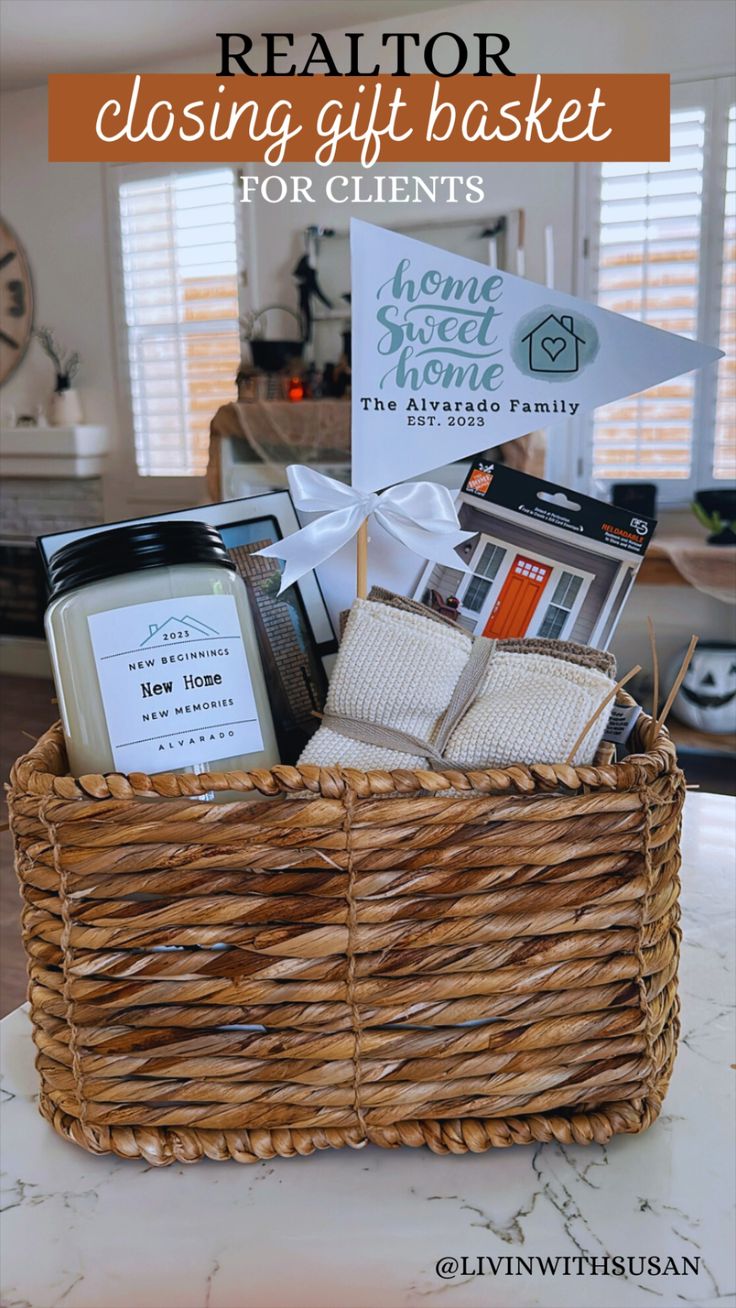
(490, 966)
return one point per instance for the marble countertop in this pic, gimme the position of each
(366, 1229)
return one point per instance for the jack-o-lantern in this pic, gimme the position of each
(707, 696)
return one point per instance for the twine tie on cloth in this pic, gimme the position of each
(419, 514)
(399, 671)
(463, 697)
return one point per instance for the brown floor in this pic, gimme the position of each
(26, 709)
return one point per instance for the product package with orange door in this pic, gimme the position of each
(543, 560)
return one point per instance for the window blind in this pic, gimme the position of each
(648, 267)
(180, 276)
(485, 573)
(561, 605)
(724, 450)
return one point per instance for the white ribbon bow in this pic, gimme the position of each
(420, 514)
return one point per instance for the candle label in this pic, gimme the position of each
(175, 683)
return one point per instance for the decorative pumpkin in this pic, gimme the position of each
(707, 697)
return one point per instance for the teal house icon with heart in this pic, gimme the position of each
(552, 344)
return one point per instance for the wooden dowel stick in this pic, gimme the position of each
(655, 679)
(594, 716)
(655, 669)
(675, 687)
(361, 587)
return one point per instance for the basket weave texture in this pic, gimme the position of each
(488, 966)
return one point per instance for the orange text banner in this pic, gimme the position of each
(203, 118)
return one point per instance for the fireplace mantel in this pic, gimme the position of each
(51, 452)
(50, 480)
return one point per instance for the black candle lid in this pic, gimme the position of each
(133, 548)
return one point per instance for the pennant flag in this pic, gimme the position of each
(450, 356)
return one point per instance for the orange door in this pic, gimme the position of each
(520, 594)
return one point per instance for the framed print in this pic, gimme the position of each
(294, 631)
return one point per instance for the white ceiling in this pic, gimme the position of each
(85, 36)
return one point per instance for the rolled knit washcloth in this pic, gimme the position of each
(530, 708)
(393, 669)
(409, 691)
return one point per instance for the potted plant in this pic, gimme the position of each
(65, 409)
(716, 511)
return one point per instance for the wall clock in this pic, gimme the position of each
(16, 302)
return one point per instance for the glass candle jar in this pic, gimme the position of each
(154, 654)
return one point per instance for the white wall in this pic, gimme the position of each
(57, 212)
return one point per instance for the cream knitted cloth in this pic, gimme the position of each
(393, 669)
(530, 708)
(398, 670)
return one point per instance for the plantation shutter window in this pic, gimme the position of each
(648, 266)
(179, 267)
(724, 453)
